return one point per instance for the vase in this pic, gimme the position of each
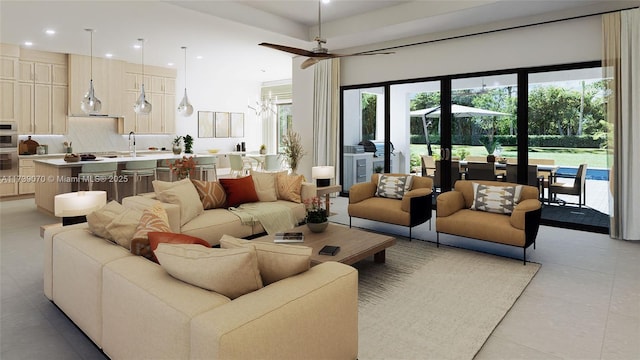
(318, 227)
(177, 150)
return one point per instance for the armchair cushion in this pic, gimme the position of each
(393, 186)
(362, 191)
(517, 218)
(496, 199)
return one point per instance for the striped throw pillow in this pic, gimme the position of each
(211, 194)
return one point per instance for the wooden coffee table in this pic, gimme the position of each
(355, 244)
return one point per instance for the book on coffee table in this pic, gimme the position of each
(329, 250)
(288, 237)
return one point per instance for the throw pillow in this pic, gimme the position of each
(393, 186)
(153, 219)
(275, 261)
(156, 238)
(265, 184)
(99, 219)
(495, 199)
(289, 187)
(181, 193)
(211, 194)
(230, 272)
(239, 191)
(124, 226)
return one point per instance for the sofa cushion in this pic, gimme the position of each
(230, 272)
(211, 194)
(265, 184)
(393, 186)
(289, 187)
(239, 191)
(99, 219)
(275, 261)
(165, 237)
(153, 218)
(181, 193)
(496, 199)
(124, 226)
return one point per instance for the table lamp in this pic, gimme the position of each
(73, 207)
(323, 175)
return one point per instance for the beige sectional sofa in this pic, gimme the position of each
(132, 308)
(213, 223)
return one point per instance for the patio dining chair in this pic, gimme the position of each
(481, 171)
(576, 188)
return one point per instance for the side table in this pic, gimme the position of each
(326, 191)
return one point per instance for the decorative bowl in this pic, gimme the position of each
(213, 151)
(71, 158)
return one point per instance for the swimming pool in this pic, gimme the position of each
(592, 174)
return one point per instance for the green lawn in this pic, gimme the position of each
(594, 158)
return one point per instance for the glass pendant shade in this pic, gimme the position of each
(185, 108)
(90, 103)
(142, 106)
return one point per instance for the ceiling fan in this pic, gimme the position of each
(320, 52)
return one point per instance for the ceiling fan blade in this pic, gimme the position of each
(310, 62)
(291, 50)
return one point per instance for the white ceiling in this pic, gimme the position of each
(226, 33)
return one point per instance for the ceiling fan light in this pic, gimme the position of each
(142, 106)
(185, 108)
(90, 104)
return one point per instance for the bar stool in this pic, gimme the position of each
(164, 167)
(99, 172)
(138, 169)
(204, 164)
(272, 162)
(238, 166)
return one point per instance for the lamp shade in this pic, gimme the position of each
(323, 175)
(79, 203)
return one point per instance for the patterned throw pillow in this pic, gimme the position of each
(154, 218)
(393, 186)
(289, 187)
(495, 199)
(211, 194)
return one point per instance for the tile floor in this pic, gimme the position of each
(584, 303)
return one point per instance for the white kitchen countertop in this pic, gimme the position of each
(59, 162)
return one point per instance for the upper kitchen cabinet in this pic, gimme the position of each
(9, 59)
(108, 83)
(159, 85)
(42, 92)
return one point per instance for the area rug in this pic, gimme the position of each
(434, 303)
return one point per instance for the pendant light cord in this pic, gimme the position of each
(185, 67)
(91, 63)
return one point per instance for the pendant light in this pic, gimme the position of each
(185, 108)
(90, 103)
(142, 106)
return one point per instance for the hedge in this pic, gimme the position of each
(583, 141)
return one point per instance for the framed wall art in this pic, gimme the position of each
(237, 125)
(221, 124)
(205, 124)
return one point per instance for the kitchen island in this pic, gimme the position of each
(56, 176)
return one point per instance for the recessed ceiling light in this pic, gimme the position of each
(326, 1)
(28, 43)
(170, 64)
(109, 55)
(136, 46)
(199, 57)
(50, 32)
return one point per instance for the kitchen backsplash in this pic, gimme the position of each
(98, 134)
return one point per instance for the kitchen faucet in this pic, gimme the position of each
(132, 153)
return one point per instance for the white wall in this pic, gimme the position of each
(557, 43)
(302, 84)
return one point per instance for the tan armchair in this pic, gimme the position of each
(413, 209)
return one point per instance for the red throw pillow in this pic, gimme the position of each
(239, 191)
(156, 238)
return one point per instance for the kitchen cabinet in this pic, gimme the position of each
(42, 86)
(358, 168)
(159, 86)
(8, 82)
(108, 83)
(27, 172)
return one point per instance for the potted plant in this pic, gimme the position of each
(188, 144)
(490, 143)
(317, 217)
(263, 149)
(177, 145)
(182, 168)
(292, 149)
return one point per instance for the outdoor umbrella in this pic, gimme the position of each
(456, 111)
